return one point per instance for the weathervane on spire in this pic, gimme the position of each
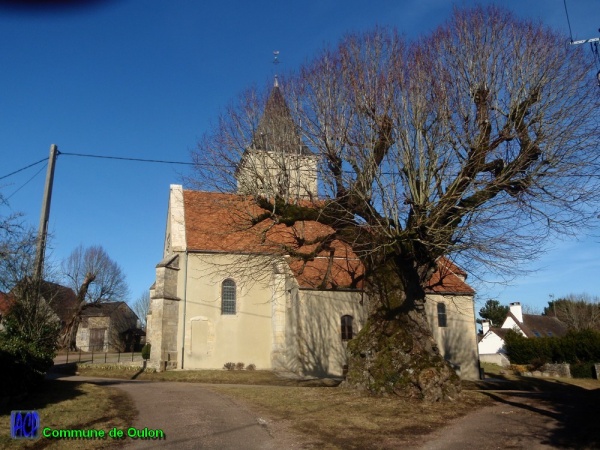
(276, 62)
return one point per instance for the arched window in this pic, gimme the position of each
(441, 314)
(228, 297)
(347, 328)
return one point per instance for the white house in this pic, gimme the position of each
(491, 345)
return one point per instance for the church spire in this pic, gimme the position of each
(276, 129)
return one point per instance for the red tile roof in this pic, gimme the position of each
(449, 279)
(222, 223)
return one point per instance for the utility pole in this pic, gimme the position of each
(45, 215)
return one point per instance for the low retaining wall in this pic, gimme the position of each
(494, 358)
(562, 370)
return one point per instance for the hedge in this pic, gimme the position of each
(574, 348)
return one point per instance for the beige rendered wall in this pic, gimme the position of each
(212, 339)
(458, 340)
(313, 335)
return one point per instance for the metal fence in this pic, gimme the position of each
(97, 357)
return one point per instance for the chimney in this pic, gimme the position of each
(485, 325)
(515, 310)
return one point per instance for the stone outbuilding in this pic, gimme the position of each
(108, 326)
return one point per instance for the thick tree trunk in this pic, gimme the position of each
(68, 338)
(395, 352)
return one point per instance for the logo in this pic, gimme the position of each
(24, 424)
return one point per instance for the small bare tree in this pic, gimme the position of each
(17, 250)
(142, 307)
(95, 278)
(477, 142)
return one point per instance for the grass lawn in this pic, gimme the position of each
(340, 418)
(252, 377)
(71, 405)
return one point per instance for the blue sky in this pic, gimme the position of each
(145, 78)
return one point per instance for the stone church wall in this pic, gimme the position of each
(457, 340)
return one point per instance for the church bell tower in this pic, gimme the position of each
(277, 163)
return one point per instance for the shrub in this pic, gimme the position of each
(250, 367)
(582, 370)
(229, 366)
(146, 351)
(240, 366)
(27, 343)
(575, 347)
(537, 364)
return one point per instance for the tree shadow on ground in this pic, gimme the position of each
(572, 409)
(51, 391)
(139, 372)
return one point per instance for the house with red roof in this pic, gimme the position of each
(61, 300)
(233, 287)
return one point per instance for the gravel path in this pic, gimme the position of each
(194, 417)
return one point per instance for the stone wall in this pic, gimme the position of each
(562, 370)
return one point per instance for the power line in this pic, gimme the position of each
(26, 167)
(127, 159)
(27, 182)
(568, 21)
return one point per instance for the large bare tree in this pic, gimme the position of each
(577, 311)
(95, 278)
(478, 141)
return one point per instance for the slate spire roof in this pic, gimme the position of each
(277, 130)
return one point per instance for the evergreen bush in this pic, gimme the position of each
(146, 351)
(578, 348)
(27, 344)
(582, 370)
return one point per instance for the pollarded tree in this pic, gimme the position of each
(478, 141)
(95, 278)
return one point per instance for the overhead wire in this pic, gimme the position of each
(86, 155)
(27, 182)
(568, 21)
(22, 169)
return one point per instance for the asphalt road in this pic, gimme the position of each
(192, 417)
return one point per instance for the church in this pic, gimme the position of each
(229, 290)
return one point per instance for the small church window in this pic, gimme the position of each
(228, 297)
(441, 310)
(347, 328)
